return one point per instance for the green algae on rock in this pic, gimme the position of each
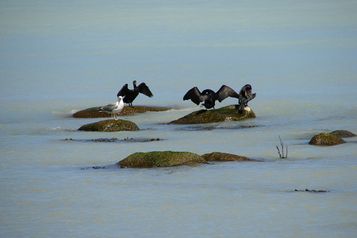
(95, 112)
(219, 156)
(326, 139)
(110, 126)
(228, 113)
(174, 158)
(160, 159)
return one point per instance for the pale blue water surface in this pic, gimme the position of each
(57, 57)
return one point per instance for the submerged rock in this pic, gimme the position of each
(94, 112)
(115, 140)
(219, 156)
(173, 158)
(228, 113)
(160, 159)
(110, 126)
(311, 190)
(343, 133)
(326, 139)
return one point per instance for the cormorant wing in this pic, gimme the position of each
(225, 92)
(194, 95)
(123, 91)
(144, 89)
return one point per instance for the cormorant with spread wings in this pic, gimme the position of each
(130, 94)
(209, 97)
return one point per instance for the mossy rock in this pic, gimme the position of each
(173, 158)
(326, 139)
(110, 126)
(343, 133)
(160, 159)
(219, 156)
(94, 112)
(228, 113)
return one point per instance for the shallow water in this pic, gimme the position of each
(60, 57)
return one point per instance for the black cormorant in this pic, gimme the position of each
(130, 94)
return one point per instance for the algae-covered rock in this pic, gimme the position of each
(343, 133)
(326, 139)
(173, 158)
(160, 159)
(228, 113)
(95, 112)
(219, 156)
(110, 126)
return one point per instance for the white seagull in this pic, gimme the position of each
(114, 109)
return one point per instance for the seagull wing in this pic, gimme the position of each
(107, 108)
(194, 95)
(225, 92)
(144, 89)
(123, 91)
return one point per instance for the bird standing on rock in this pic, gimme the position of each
(209, 97)
(130, 94)
(114, 109)
(245, 95)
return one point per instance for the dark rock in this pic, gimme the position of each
(94, 112)
(110, 126)
(311, 190)
(172, 158)
(343, 133)
(326, 139)
(218, 156)
(160, 159)
(94, 167)
(228, 113)
(114, 140)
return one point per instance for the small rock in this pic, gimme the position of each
(311, 190)
(219, 156)
(110, 126)
(326, 139)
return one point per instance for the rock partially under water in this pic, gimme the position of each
(326, 139)
(160, 159)
(115, 140)
(343, 133)
(228, 113)
(94, 112)
(174, 158)
(219, 156)
(110, 126)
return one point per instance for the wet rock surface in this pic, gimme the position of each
(228, 113)
(219, 156)
(94, 112)
(173, 158)
(326, 139)
(114, 140)
(110, 126)
(311, 190)
(343, 133)
(160, 159)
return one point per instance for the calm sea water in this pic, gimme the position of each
(60, 57)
